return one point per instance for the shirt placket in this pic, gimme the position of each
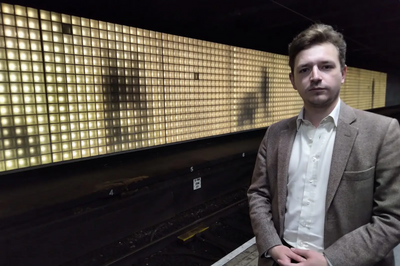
(317, 138)
(309, 188)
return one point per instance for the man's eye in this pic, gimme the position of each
(303, 70)
(327, 67)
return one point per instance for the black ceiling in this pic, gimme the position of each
(371, 28)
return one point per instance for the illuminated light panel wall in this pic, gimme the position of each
(72, 88)
(197, 84)
(364, 89)
(262, 93)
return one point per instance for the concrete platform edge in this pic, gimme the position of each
(236, 252)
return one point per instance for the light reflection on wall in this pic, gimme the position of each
(73, 87)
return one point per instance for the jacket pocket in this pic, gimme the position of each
(359, 175)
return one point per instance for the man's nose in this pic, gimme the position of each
(315, 74)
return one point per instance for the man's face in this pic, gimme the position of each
(317, 75)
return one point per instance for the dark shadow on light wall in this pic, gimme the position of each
(265, 91)
(373, 93)
(250, 103)
(111, 93)
(119, 96)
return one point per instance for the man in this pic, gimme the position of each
(326, 184)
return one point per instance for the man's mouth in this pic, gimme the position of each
(317, 89)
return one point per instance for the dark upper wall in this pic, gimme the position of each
(393, 88)
(370, 29)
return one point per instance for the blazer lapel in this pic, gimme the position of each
(284, 150)
(345, 137)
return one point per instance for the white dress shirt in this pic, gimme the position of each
(308, 175)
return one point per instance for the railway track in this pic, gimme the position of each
(197, 236)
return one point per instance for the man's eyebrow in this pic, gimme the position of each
(304, 65)
(309, 64)
(328, 62)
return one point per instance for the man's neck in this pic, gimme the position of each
(315, 114)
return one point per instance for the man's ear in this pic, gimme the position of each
(291, 77)
(344, 72)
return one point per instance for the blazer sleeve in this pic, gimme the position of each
(369, 244)
(259, 196)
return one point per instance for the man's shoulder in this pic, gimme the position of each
(371, 118)
(369, 123)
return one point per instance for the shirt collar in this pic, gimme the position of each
(334, 115)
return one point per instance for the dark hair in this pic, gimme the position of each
(317, 34)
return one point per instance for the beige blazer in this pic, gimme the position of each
(362, 222)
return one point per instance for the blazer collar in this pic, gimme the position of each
(346, 134)
(285, 145)
(347, 114)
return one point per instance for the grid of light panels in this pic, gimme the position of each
(23, 104)
(197, 76)
(104, 85)
(261, 89)
(364, 89)
(73, 87)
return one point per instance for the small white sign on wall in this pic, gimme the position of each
(196, 183)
